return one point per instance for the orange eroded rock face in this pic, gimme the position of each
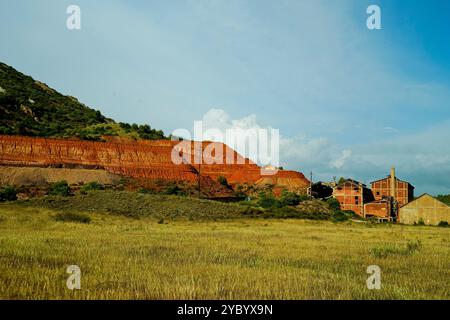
(142, 159)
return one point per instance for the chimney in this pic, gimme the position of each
(393, 183)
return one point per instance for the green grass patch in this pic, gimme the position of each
(396, 250)
(72, 217)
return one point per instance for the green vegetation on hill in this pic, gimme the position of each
(444, 198)
(31, 108)
(139, 205)
(169, 206)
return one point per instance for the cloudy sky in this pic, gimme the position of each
(348, 101)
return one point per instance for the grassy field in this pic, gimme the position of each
(125, 258)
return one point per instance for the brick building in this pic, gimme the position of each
(401, 191)
(382, 201)
(352, 195)
(383, 209)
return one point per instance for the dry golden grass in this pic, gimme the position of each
(123, 258)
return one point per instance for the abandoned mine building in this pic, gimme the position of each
(391, 186)
(321, 190)
(382, 201)
(352, 195)
(425, 209)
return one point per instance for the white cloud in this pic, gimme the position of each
(299, 152)
(339, 162)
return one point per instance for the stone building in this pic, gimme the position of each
(425, 208)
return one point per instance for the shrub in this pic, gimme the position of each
(60, 188)
(267, 200)
(91, 186)
(420, 222)
(290, 198)
(174, 190)
(143, 191)
(339, 216)
(334, 204)
(223, 181)
(72, 217)
(443, 224)
(8, 193)
(240, 192)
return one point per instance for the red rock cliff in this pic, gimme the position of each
(140, 159)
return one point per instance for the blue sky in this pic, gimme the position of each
(348, 101)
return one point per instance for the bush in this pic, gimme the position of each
(339, 216)
(290, 198)
(420, 222)
(72, 217)
(60, 188)
(91, 186)
(174, 190)
(8, 193)
(240, 192)
(144, 191)
(267, 200)
(334, 204)
(444, 224)
(223, 181)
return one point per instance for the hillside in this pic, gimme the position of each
(31, 113)
(29, 107)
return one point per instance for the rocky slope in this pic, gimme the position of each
(140, 159)
(33, 118)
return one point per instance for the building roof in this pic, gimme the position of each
(377, 201)
(422, 196)
(389, 177)
(351, 181)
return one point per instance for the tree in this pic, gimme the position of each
(444, 198)
(268, 200)
(174, 190)
(60, 188)
(8, 194)
(290, 198)
(223, 181)
(91, 186)
(341, 180)
(333, 204)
